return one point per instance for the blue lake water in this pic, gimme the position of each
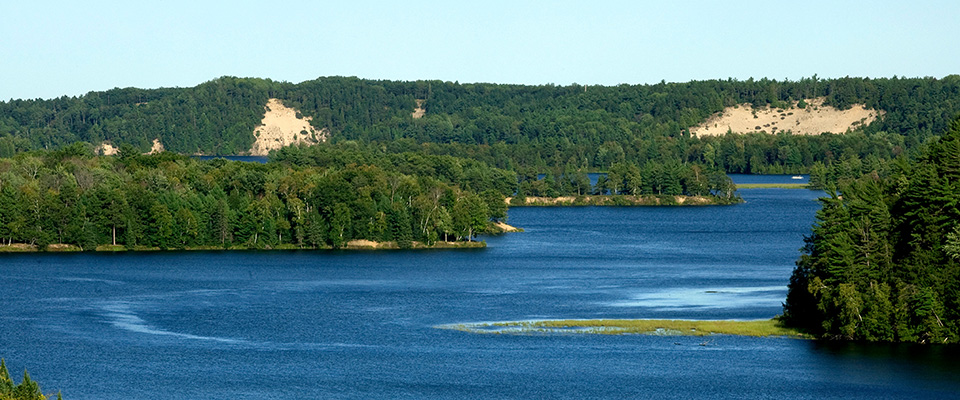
(255, 325)
(750, 178)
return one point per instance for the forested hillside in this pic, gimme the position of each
(508, 126)
(883, 262)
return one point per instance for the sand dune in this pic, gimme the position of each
(281, 126)
(812, 120)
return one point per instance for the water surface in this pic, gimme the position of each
(253, 325)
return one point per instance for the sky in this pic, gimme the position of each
(55, 48)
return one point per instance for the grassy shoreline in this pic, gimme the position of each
(659, 327)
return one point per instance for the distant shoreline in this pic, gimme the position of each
(749, 186)
(621, 200)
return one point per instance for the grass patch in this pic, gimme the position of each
(18, 248)
(110, 247)
(62, 248)
(772, 186)
(757, 328)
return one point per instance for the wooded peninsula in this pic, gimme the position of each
(883, 262)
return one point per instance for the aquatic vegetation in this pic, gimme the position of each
(660, 327)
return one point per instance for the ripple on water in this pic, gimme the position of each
(704, 298)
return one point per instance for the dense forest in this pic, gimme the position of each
(883, 262)
(168, 201)
(27, 389)
(506, 126)
(307, 197)
(669, 178)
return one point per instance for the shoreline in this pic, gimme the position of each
(748, 186)
(654, 327)
(502, 227)
(647, 200)
(351, 245)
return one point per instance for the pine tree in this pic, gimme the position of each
(6, 384)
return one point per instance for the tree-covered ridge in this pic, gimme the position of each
(170, 201)
(883, 262)
(535, 126)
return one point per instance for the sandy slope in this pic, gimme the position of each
(419, 112)
(157, 147)
(281, 127)
(812, 120)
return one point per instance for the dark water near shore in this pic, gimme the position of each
(253, 325)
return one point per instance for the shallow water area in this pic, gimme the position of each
(338, 324)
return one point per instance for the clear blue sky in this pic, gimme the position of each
(54, 48)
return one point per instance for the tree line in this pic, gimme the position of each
(652, 178)
(168, 201)
(883, 261)
(669, 178)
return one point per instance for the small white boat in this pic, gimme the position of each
(797, 177)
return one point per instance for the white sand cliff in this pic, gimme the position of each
(812, 120)
(282, 127)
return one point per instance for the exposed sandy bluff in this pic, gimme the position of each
(814, 119)
(282, 126)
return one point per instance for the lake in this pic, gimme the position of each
(336, 324)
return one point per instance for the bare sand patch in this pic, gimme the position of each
(812, 120)
(282, 126)
(419, 112)
(505, 227)
(107, 149)
(363, 243)
(157, 147)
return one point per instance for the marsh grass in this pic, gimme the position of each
(756, 328)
